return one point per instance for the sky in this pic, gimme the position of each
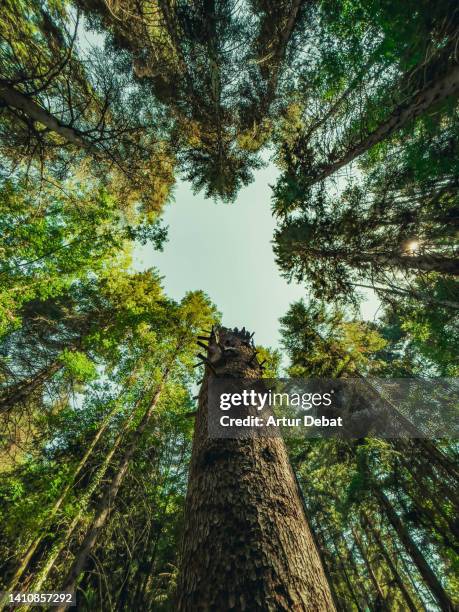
(226, 250)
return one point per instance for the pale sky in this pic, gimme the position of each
(226, 250)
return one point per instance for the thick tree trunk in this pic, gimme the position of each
(424, 568)
(247, 544)
(417, 105)
(103, 510)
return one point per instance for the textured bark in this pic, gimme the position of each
(424, 568)
(431, 94)
(247, 544)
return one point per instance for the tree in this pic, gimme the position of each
(321, 341)
(76, 108)
(342, 480)
(238, 549)
(218, 73)
(372, 72)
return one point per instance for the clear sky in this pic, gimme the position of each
(226, 250)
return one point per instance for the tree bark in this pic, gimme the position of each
(247, 544)
(417, 105)
(425, 570)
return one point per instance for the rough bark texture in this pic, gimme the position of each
(247, 544)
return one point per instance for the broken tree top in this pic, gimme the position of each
(224, 342)
(218, 333)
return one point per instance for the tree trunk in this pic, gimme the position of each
(16, 99)
(83, 502)
(422, 263)
(342, 567)
(103, 510)
(391, 565)
(425, 570)
(417, 105)
(25, 560)
(247, 544)
(22, 390)
(410, 293)
(439, 457)
(333, 567)
(373, 579)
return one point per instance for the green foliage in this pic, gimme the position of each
(78, 366)
(96, 361)
(321, 342)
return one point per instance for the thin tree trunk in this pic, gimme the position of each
(439, 457)
(333, 567)
(83, 502)
(450, 523)
(371, 574)
(247, 544)
(417, 295)
(22, 390)
(25, 560)
(422, 263)
(103, 510)
(347, 578)
(391, 565)
(413, 580)
(357, 574)
(424, 568)
(433, 93)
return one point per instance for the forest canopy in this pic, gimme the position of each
(104, 106)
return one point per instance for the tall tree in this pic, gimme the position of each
(76, 107)
(238, 549)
